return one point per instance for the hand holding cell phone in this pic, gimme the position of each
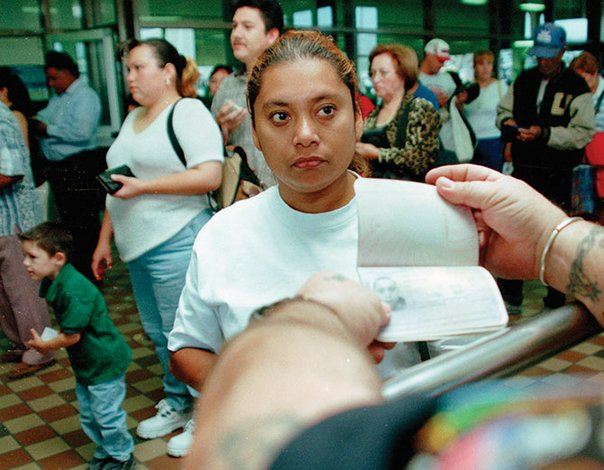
(509, 132)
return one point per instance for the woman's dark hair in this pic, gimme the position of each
(17, 92)
(164, 52)
(299, 45)
(61, 61)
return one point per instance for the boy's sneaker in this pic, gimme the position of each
(97, 463)
(179, 445)
(112, 464)
(164, 422)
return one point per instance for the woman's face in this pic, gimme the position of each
(386, 81)
(306, 127)
(147, 81)
(483, 68)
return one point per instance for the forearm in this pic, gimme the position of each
(199, 180)
(580, 130)
(62, 340)
(419, 152)
(505, 108)
(574, 265)
(106, 232)
(192, 365)
(286, 372)
(6, 181)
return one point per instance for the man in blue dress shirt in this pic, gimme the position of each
(67, 129)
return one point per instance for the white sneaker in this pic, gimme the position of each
(179, 445)
(166, 420)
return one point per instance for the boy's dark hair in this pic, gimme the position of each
(270, 11)
(61, 61)
(51, 237)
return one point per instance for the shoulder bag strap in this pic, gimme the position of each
(401, 131)
(172, 136)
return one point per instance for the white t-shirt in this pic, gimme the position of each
(252, 254)
(145, 221)
(257, 252)
(439, 81)
(482, 112)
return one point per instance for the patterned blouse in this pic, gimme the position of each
(421, 144)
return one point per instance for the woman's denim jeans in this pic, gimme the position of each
(158, 277)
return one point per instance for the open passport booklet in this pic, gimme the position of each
(419, 254)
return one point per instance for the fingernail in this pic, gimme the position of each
(445, 182)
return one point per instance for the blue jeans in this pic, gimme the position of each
(489, 153)
(103, 419)
(158, 277)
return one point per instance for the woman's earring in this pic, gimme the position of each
(168, 81)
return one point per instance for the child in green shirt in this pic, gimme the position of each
(98, 353)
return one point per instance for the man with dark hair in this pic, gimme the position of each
(67, 130)
(256, 25)
(548, 113)
(20, 307)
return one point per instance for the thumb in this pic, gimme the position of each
(468, 193)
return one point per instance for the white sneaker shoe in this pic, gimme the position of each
(166, 420)
(179, 445)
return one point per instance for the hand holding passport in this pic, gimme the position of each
(107, 183)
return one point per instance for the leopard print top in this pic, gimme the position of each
(421, 143)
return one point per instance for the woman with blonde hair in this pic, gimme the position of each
(481, 112)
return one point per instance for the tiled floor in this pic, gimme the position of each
(39, 426)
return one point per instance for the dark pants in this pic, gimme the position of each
(79, 199)
(511, 291)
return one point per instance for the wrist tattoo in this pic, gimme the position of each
(579, 283)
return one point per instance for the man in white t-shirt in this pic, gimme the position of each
(445, 85)
(432, 74)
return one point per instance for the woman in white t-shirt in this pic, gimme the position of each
(482, 111)
(156, 215)
(306, 121)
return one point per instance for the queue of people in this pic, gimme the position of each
(294, 109)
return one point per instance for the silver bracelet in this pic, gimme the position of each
(550, 242)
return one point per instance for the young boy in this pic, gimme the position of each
(99, 355)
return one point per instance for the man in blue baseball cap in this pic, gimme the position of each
(548, 115)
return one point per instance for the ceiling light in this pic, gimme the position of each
(474, 2)
(532, 7)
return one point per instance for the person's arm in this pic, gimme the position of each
(580, 129)
(192, 365)
(200, 179)
(421, 143)
(102, 259)
(196, 332)
(200, 140)
(515, 223)
(62, 340)
(505, 109)
(6, 181)
(82, 121)
(303, 361)
(22, 120)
